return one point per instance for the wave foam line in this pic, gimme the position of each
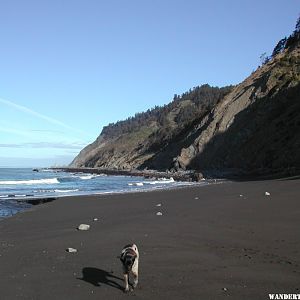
(66, 191)
(30, 182)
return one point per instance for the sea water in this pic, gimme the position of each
(19, 184)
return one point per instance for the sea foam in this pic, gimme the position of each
(30, 182)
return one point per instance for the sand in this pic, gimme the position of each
(222, 241)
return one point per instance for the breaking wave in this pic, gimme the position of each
(30, 182)
(48, 180)
(66, 191)
(153, 182)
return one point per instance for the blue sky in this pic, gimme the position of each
(70, 67)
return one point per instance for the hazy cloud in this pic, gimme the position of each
(39, 115)
(39, 145)
(46, 131)
(25, 162)
(16, 131)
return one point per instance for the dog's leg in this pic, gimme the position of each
(126, 283)
(135, 272)
(135, 279)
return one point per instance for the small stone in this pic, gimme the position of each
(196, 198)
(95, 219)
(159, 204)
(225, 289)
(71, 250)
(159, 213)
(83, 227)
(267, 194)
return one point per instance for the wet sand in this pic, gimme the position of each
(223, 241)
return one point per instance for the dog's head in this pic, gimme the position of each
(128, 258)
(129, 261)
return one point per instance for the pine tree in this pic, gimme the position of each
(279, 47)
(297, 27)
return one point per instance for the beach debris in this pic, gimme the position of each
(159, 204)
(159, 213)
(95, 219)
(83, 227)
(267, 194)
(241, 195)
(225, 289)
(71, 250)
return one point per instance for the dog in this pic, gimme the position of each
(130, 262)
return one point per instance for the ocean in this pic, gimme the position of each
(19, 184)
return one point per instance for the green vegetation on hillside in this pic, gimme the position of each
(181, 111)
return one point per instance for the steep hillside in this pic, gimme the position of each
(129, 144)
(253, 127)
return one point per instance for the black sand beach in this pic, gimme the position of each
(223, 241)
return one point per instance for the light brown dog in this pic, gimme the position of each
(130, 263)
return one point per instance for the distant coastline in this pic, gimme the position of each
(190, 175)
(178, 176)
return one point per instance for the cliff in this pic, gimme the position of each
(253, 127)
(256, 128)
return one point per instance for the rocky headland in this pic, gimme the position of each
(251, 129)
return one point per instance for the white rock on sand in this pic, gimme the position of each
(159, 213)
(71, 250)
(83, 227)
(267, 194)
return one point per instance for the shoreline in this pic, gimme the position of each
(211, 242)
(43, 200)
(30, 197)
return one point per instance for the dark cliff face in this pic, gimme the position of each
(263, 138)
(256, 128)
(252, 127)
